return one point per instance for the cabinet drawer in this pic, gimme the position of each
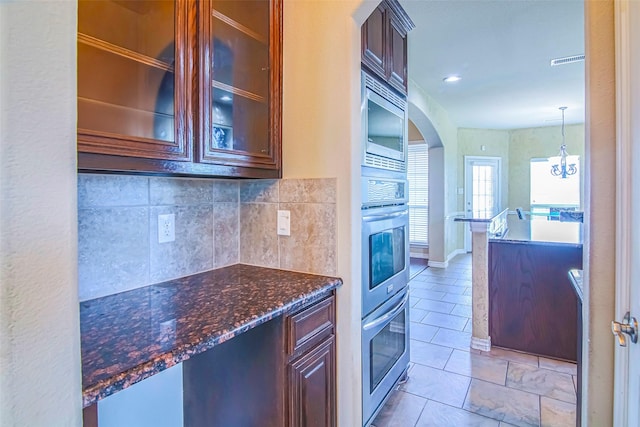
(311, 325)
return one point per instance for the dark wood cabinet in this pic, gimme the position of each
(180, 87)
(384, 43)
(311, 369)
(312, 387)
(532, 305)
(282, 372)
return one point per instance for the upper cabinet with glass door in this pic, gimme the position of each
(240, 80)
(132, 79)
(180, 87)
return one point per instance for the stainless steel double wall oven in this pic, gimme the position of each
(385, 244)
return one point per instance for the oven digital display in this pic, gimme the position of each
(386, 349)
(386, 250)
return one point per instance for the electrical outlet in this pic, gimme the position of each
(166, 228)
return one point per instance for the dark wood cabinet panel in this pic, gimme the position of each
(384, 43)
(239, 382)
(397, 55)
(184, 88)
(310, 326)
(532, 305)
(374, 36)
(312, 387)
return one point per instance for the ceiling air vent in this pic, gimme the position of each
(567, 60)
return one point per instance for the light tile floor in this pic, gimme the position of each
(451, 385)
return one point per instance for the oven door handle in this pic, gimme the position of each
(389, 314)
(383, 216)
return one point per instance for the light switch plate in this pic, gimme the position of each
(284, 223)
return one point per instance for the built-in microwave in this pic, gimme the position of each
(384, 126)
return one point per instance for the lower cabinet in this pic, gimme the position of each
(312, 387)
(311, 369)
(281, 373)
(532, 305)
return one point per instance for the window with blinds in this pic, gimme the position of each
(418, 176)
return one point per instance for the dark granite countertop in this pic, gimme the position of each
(132, 335)
(541, 231)
(576, 280)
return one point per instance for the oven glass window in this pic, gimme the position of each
(385, 128)
(386, 348)
(386, 250)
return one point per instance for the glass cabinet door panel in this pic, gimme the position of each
(240, 60)
(126, 97)
(239, 123)
(127, 74)
(240, 76)
(251, 14)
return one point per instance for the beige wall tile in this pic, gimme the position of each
(264, 191)
(308, 190)
(226, 234)
(258, 238)
(312, 244)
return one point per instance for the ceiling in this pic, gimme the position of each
(502, 50)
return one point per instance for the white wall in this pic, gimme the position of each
(446, 132)
(39, 326)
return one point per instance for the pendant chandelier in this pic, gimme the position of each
(562, 169)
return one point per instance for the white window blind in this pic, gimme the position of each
(418, 176)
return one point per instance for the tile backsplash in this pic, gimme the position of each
(218, 223)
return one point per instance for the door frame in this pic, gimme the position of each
(468, 189)
(626, 63)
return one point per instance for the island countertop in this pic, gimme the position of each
(542, 231)
(132, 335)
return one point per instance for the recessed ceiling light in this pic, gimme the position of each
(451, 79)
(225, 98)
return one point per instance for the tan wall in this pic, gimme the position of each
(599, 253)
(526, 144)
(414, 134)
(321, 138)
(40, 382)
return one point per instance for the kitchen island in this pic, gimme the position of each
(532, 303)
(240, 332)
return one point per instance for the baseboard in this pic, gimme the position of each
(438, 264)
(482, 344)
(455, 253)
(418, 255)
(452, 255)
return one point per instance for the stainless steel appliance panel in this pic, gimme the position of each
(385, 352)
(385, 254)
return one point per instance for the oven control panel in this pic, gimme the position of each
(384, 192)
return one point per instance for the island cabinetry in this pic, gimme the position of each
(311, 368)
(384, 43)
(532, 305)
(180, 87)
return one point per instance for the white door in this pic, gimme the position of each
(627, 358)
(481, 189)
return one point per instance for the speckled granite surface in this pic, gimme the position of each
(542, 232)
(130, 336)
(576, 280)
